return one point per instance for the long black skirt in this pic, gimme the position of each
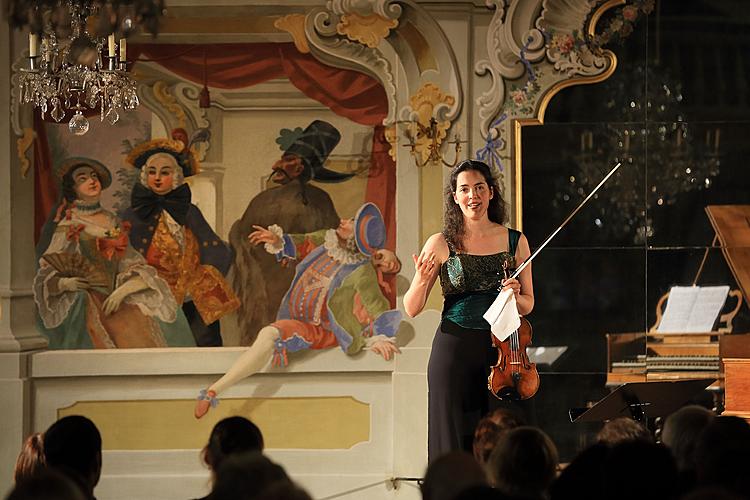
(457, 374)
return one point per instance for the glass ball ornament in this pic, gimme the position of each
(79, 124)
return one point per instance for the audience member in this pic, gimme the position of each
(46, 484)
(73, 445)
(524, 463)
(450, 474)
(623, 429)
(489, 429)
(583, 478)
(246, 476)
(711, 493)
(640, 469)
(480, 493)
(723, 452)
(680, 434)
(31, 458)
(283, 491)
(231, 436)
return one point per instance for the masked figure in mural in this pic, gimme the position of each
(92, 289)
(335, 297)
(296, 206)
(175, 238)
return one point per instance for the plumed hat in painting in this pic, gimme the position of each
(312, 146)
(369, 229)
(140, 154)
(70, 164)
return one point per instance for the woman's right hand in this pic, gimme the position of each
(72, 284)
(263, 235)
(426, 266)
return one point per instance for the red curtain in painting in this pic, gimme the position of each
(347, 93)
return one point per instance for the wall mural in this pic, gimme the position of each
(148, 231)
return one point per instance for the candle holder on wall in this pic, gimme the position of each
(426, 141)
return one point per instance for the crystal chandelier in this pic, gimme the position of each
(680, 159)
(76, 61)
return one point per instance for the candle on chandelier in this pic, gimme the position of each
(111, 45)
(123, 49)
(33, 41)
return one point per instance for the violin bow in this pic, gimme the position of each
(536, 252)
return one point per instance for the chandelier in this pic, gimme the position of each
(679, 158)
(78, 56)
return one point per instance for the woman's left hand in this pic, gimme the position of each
(512, 284)
(112, 303)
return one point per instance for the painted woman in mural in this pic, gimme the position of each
(174, 237)
(334, 299)
(92, 289)
(295, 205)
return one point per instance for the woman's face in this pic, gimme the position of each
(160, 175)
(86, 183)
(472, 194)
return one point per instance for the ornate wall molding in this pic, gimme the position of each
(535, 48)
(350, 34)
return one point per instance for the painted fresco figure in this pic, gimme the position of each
(296, 206)
(335, 298)
(92, 289)
(174, 237)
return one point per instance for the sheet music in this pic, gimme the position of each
(692, 308)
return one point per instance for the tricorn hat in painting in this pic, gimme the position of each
(70, 164)
(313, 145)
(140, 154)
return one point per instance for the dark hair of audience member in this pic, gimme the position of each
(283, 491)
(489, 429)
(230, 436)
(523, 463)
(622, 429)
(583, 478)
(723, 451)
(73, 444)
(480, 493)
(244, 476)
(31, 458)
(711, 493)
(640, 469)
(450, 474)
(47, 484)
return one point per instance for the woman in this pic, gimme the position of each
(469, 256)
(92, 289)
(229, 437)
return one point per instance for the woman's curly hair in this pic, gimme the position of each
(453, 218)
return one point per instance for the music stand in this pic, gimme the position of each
(640, 400)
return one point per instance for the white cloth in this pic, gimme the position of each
(503, 315)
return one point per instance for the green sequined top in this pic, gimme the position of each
(471, 283)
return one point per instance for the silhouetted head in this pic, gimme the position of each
(622, 429)
(74, 443)
(450, 474)
(523, 463)
(231, 436)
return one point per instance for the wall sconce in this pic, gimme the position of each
(425, 142)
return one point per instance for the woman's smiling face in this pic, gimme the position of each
(473, 194)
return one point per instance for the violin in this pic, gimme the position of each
(514, 376)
